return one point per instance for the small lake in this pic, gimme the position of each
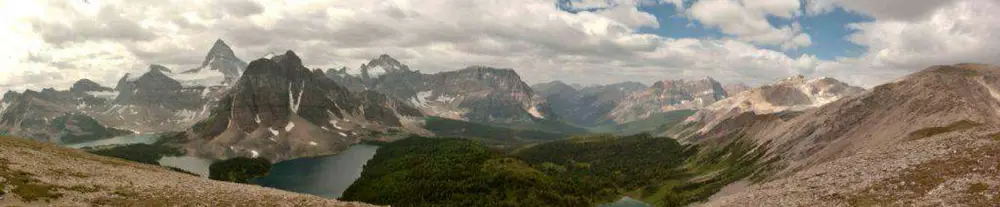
(626, 202)
(326, 176)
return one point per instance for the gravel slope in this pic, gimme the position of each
(42, 174)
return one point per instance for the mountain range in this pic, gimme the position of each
(924, 139)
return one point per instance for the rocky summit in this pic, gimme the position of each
(220, 60)
(795, 93)
(279, 109)
(668, 95)
(476, 93)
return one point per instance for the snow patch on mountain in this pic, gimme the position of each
(109, 95)
(202, 76)
(534, 112)
(421, 98)
(273, 132)
(3, 107)
(376, 71)
(295, 102)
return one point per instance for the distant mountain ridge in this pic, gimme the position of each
(586, 106)
(795, 93)
(475, 93)
(668, 95)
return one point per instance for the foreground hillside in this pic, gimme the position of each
(930, 138)
(41, 174)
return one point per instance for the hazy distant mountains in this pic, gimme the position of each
(587, 106)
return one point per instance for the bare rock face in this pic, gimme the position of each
(919, 140)
(279, 110)
(668, 95)
(476, 93)
(733, 89)
(791, 94)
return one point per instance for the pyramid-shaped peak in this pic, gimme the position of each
(159, 69)
(220, 42)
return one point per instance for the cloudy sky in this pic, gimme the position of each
(52, 43)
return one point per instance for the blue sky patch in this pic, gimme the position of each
(827, 31)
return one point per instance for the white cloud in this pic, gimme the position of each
(904, 10)
(747, 20)
(534, 37)
(952, 33)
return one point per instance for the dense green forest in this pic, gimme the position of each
(494, 136)
(581, 171)
(454, 172)
(143, 153)
(239, 169)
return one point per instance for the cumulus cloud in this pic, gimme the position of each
(747, 20)
(53, 43)
(882, 9)
(953, 32)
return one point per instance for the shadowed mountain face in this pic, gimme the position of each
(587, 106)
(279, 109)
(476, 93)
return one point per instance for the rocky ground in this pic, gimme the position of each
(951, 169)
(41, 174)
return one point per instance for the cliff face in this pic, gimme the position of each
(279, 110)
(476, 93)
(668, 95)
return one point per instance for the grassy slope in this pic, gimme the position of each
(44, 174)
